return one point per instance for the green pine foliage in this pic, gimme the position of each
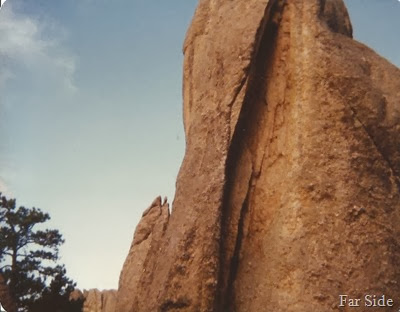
(28, 261)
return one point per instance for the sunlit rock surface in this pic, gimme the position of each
(98, 301)
(288, 194)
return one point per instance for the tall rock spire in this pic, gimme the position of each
(288, 194)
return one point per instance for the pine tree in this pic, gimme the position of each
(28, 257)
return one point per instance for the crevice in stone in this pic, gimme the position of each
(234, 265)
(256, 88)
(174, 305)
(145, 237)
(270, 8)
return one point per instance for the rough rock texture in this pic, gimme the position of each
(99, 301)
(147, 234)
(76, 295)
(288, 194)
(5, 296)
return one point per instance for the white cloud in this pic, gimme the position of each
(24, 42)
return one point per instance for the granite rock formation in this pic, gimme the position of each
(76, 295)
(288, 194)
(96, 300)
(148, 234)
(5, 296)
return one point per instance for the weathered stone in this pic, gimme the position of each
(288, 194)
(147, 235)
(99, 301)
(76, 295)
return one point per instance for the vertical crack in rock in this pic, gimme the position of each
(234, 265)
(282, 200)
(247, 156)
(241, 169)
(243, 85)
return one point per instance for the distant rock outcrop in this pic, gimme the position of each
(96, 300)
(288, 194)
(76, 295)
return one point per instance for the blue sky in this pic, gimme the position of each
(90, 113)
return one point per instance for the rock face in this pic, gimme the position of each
(5, 296)
(288, 194)
(76, 295)
(147, 235)
(98, 301)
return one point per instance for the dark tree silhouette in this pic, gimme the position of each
(28, 258)
(55, 298)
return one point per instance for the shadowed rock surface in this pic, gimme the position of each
(288, 194)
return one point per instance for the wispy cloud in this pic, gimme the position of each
(26, 42)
